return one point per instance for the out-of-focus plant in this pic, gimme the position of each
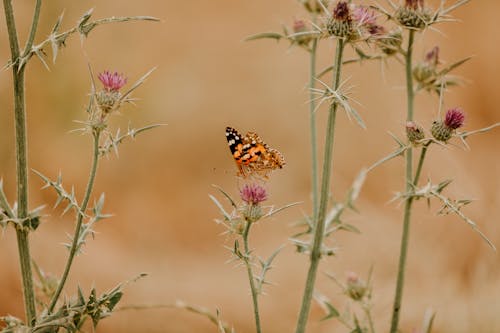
(350, 24)
(50, 313)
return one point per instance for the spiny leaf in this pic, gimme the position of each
(264, 35)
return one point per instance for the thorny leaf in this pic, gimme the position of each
(265, 267)
(326, 305)
(112, 142)
(62, 194)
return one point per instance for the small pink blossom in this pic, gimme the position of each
(432, 57)
(299, 25)
(454, 118)
(253, 194)
(112, 82)
(364, 16)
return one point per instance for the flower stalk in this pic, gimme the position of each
(96, 133)
(251, 279)
(18, 71)
(312, 121)
(410, 182)
(319, 223)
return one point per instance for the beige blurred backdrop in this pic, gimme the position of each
(157, 188)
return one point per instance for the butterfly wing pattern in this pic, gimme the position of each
(252, 156)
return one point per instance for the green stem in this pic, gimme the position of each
(251, 279)
(312, 120)
(319, 224)
(409, 187)
(420, 163)
(22, 165)
(75, 243)
(34, 25)
(370, 319)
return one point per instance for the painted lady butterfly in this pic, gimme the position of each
(252, 155)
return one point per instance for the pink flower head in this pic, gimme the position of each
(253, 194)
(112, 82)
(432, 57)
(341, 11)
(299, 25)
(364, 16)
(454, 118)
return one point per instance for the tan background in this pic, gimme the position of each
(158, 188)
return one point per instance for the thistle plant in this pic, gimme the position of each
(350, 24)
(49, 313)
(238, 222)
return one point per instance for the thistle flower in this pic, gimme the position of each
(426, 70)
(253, 194)
(454, 118)
(414, 4)
(367, 21)
(356, 288)
(108, 97)
(364, 16)
(340, 24)
(413, 14)
(442, 130)
(432, 57)
(112, 82)
(298, 27)
(414, 132)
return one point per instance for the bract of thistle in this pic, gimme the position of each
(414, 15)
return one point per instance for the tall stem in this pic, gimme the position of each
(409, 187)
(74, 245)
(21, 160)
(319, 224)
(312, 121)
(251, 279)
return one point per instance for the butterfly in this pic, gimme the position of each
(252, 156)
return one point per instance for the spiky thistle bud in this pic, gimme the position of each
(443, 130)
(426, 69)
(298, 27)
(356, 288)
(413, 14)
(414, 132)
(340, 23)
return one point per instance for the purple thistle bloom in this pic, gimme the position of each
(364, 16)
(432, 57)
(112, 82)
(454, 118)
(341, 11)
(414, 4)
(253, 194)
(299, 26)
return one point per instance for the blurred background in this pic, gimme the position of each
(157, 188)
